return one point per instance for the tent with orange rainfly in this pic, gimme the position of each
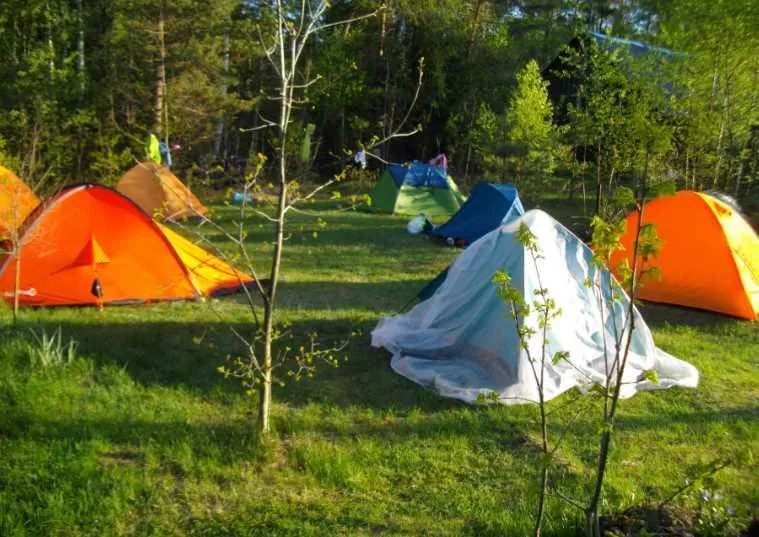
(709, 257)
(159, 192)
(16, 202)
(89, 245)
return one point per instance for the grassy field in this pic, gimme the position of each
(139, 434)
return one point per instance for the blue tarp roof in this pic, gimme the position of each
(489, 206)
(419, 174)
(636, 48)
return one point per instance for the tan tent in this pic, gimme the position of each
(16, 202)
(159, 192)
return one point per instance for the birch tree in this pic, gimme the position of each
(285, 46)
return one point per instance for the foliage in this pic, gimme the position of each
(531, 137)
(50, 350)
(709, 513)
(81, 85)
(714, 106)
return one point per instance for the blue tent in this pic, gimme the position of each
(418, 174)
(635, 48)
(488, 207)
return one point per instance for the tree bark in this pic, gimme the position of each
(718, 164)
(161, 109)
(285, 96)
(599, 185)
(221, 124)
(544, 468)
(17, 280)
(473, 33)
(50, 46)
(80, 48)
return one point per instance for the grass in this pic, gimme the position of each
(139, 435)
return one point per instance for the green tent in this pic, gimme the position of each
(417, 188)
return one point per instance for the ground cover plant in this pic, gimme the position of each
(138, 434)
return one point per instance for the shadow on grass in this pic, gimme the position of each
(656, 315)
(187, 355)
(337, 295)
(164, 353)
(236, 439)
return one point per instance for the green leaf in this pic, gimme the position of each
(624, 197)
(664, 188)
(559, 356)
(651, 376)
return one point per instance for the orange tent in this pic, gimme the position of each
(211, 275)
(159, 192)
(16, 202)
(709, 257)
(90, 240)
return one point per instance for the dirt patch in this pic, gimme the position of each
(120, 457)
(652, 521)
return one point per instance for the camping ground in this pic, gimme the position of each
(140, 435)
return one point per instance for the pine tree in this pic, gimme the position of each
(532, 138)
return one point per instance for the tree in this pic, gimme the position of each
(285, 46)
(543, 311)
(716, 86)
(531, 136)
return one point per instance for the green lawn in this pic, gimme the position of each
(140, 435)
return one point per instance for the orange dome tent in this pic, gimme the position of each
(16, 202)
(709, 257)
(211, 275)
(90, 240)
(159, 192)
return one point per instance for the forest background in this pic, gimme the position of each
(82, 84)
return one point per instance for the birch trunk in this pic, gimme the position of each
(221, 124)
(160, 108)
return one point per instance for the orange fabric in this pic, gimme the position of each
(16, 202)
(709, 257)
(91, 232)
(159, 192)
(91, 254)
(209, 273)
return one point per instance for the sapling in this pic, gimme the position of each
(533, 319)
(284, 47)
(546, 311)
(19, 204)
(607, 239)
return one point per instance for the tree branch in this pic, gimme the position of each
(345, 21)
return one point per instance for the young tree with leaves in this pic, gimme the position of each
(532, 139)
(542, 310)
(286, 48)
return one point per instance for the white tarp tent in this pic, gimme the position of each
(462, 341)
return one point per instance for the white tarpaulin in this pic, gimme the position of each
(462, 341)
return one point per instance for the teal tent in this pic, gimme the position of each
(416, 188)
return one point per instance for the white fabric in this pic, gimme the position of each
(416, 224)
(462, 341)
